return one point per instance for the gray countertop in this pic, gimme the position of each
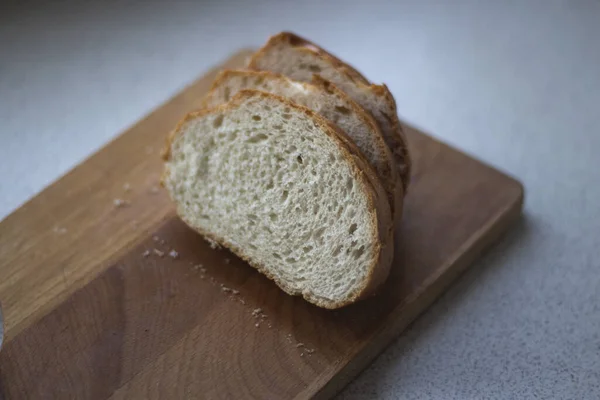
(515, 83)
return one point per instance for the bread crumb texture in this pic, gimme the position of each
(271, 183)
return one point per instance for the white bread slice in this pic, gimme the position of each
(299, 59)
(329, 102)
(284, 190)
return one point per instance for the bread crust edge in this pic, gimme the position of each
(400, 149)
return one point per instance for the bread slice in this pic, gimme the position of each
(299, 59)
(329, 102)
(284, 190)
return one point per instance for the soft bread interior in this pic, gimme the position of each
(331, 103)
(268, 181)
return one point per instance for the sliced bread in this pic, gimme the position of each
(284, 190)
(329, 102)
(299, 59)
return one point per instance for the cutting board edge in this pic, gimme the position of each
(11, 329)
(336, 379)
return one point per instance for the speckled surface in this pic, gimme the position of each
(515, 83)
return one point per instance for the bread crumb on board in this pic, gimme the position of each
(59, 230)
(199, 267)
(173, 254)
(225, 289)
(260, 316)
(158, 252)
(229, 290)
(213, 244)
(257, 312)
(158, 240)
(126, 187)
(304, 350)
(146, 253)
(119, 203)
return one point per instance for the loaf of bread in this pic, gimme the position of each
(285, 190)
(331, 103)
(299, 59)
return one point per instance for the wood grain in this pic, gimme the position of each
(89, 316)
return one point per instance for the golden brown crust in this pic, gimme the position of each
(220, 79)
(302, 44)
(297, 41)
(399, 147)
(373, 190)
(400, 151)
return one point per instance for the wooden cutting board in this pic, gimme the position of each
(93, 311)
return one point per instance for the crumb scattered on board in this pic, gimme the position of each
(234, 293)
(157, 239)
(199, 267)
(59, 230)
(119, 203)
(301, 346)
(258, 313)
(307, 351)
(158, 252)
(213, 245)
(127, 187)
(225, 289)
(260, 317)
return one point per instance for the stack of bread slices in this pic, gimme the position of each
(298, 165)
